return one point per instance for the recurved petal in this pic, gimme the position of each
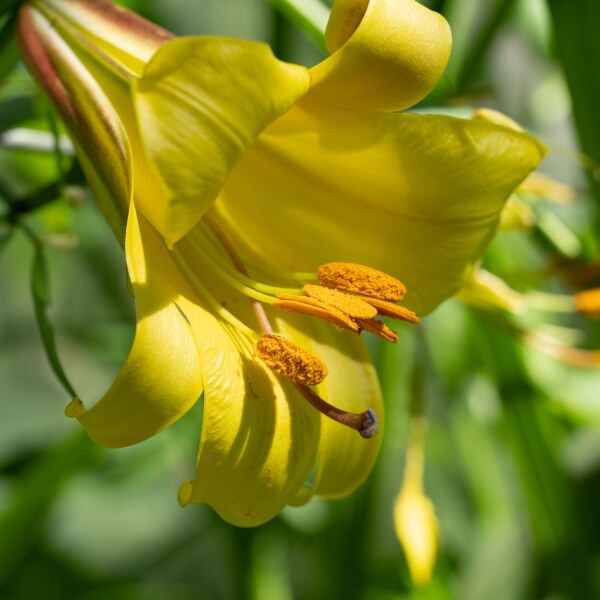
(387, 55)
(345, 459)
(259, 438)
(219, 94)
(162, 377)
(416, 196)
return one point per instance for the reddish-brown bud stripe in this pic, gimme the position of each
(106, 22)
(127, 23)
(290, 360)
(36, 44)
(358, 279)
(87, 112)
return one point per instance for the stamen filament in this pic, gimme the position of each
(259, 311)
(212, 251)
(261, 317)
(207, 297)
(234, 281)
(282, 273)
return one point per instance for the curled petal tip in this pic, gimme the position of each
(184, 494)
(74, 409)
(386, 55)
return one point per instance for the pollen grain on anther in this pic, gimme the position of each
(351, 305)
(359, 279)
(394, 311)
(315, 308)
(379, 328)
(290, 360)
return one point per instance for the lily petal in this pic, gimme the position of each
(416, 196)
(387, 55)
(259, 438)
(162, 377)
(219, 95)
(345, 459)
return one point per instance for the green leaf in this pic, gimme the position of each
(40, 290)
(475, 57)
(15, 109)
(6, 232)
(7, 6)
(9, 57)
(578, 48)
(310, 16)
(9, 50)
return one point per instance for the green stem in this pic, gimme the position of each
(40, 291)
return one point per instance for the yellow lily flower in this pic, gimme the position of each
(232, 178)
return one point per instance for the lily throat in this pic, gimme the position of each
(247, 298)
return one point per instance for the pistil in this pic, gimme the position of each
(292, 361)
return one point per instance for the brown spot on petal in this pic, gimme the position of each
(291, 360)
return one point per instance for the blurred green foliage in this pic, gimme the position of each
(513, 455)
